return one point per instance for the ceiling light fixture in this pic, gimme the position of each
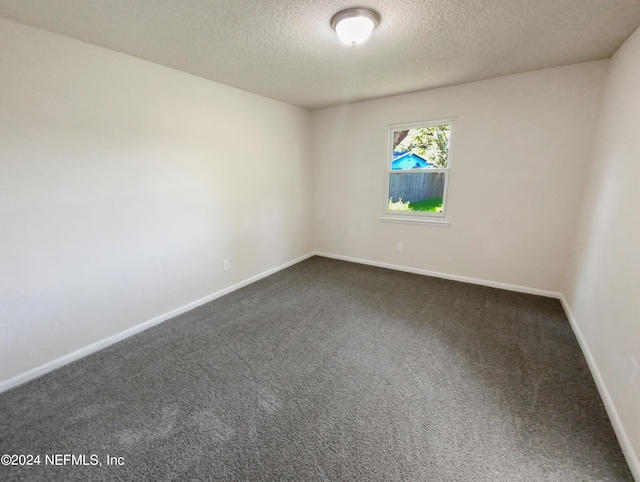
(354, 25)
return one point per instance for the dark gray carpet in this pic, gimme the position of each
(328, 371)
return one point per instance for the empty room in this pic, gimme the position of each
(308, 240)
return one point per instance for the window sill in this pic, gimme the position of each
(414, 220)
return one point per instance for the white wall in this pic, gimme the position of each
(517, 175)
(123, 186)
(602, 289)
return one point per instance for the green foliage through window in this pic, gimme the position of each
(432, 143)
(433, 205)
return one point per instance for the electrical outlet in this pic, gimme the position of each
(225, 264)
(633, 370)
(400, 246)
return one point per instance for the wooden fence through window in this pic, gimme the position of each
(415, 186)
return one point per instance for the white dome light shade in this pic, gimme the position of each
(354, 26)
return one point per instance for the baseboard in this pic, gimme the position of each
(436, 274)
(614, 418)
(88, 350)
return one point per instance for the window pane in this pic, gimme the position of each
(416, 191)
(423, 148)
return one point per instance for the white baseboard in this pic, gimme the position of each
(614, 418)
(88, 350)
(436, 274)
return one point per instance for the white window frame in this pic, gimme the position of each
(417, 217)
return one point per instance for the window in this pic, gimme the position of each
(417, 172)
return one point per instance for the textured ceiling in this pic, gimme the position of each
(286, 50)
